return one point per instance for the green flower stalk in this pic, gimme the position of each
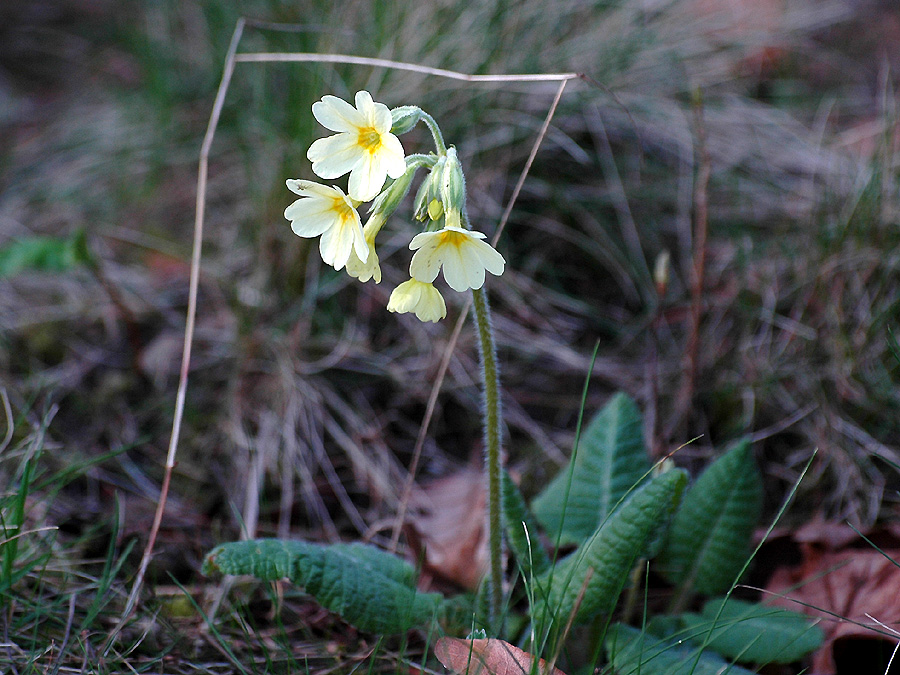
(492, 443)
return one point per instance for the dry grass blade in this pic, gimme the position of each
(7, 410)
(399, 65)
(188, 331)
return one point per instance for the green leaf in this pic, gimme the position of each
(528, 550)
(709, 540)
(611, 553)
(44, 254)
(368, 587)
(634, 653)
(609, 461)
(753, 633)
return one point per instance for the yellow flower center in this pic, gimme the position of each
(342, 209)
(369, 139)
(449, 238)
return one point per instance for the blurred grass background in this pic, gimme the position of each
(305, 394)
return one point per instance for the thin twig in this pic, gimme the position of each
(279, 57)
(47, 528)
(188, 330)
(528, 162)
(570, 620)
(423, 429)
(70, 619)
(7, 410)
(701, 223)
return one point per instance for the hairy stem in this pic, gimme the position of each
(493, 459)
(439, 144)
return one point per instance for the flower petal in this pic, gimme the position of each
(367, 178)
(309, 217)
(469, 234)
(336, 114)
(334, 156)
(381, 118)
(423, 299)
(431, 306)
(360, 245)
(425, 264)
(364, 105)
(492, 260)
(365, 270)
(422, 239)
(336, 244)
(458, 274)
(308, 188)
(391, 153)
(404, 298)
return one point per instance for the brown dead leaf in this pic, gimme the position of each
(446, 529)
(487, 657)
(850, 583)
(828, 534)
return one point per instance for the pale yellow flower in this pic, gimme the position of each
(462, 253)
(364, 145)
(328, 212)
(370, 268)
(419, 297)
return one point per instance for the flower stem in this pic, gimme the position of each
(439, 144)
(493, 459)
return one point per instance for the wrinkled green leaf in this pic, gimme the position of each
(368, 587)
(611, 553)
(753, 633)
(528, 550)
(610, 460)
(44, 254)
(709, 540)
(634, 653)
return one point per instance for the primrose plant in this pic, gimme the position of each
(366, 145)
(593, 532)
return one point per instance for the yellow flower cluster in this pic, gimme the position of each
(365, 147)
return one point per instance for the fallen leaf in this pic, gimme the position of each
(487, 656)
(845, 588)
(447, 529)
(829, 534)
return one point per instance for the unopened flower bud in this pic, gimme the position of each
(429, 190)
(453, 182)
(404, 118)
(661, 273)
(435, 209)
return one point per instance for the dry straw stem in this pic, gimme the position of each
(231, 58)
(7, 410)
(701, 228)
